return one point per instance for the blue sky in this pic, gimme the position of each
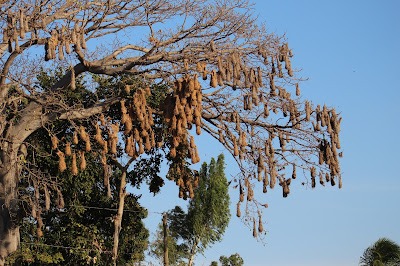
(349, 51)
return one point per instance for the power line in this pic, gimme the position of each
(112, 209)
(101, 208)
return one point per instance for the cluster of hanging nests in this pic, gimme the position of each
(19, 23)
(182, 112)
(138, 138)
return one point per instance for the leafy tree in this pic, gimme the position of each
(245, 104)
(177, 250)
(78, 227)
(209, 212)
(383, 252)
(206, 219)
(233, 260)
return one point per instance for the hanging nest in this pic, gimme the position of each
(68, 151)
(74, 167)
(238, 212)
(113, 137)
(235, 147)
(46, 197)
(54, 142)
(62, 166)
(321, 179)
(260, 224)
(214, 79)
(307, 110)
(75, 138)
(294, 172)
(298, 92)
(82, 164)
(313, 175)
(60, 200)
(241, 193)
(250, 192)
(254, 228)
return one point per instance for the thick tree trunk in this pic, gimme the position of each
(9, 230)
(10, 167)
(118, 217)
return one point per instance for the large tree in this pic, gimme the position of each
(83, 223)
(226, 76)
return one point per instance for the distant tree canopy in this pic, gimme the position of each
(384, 252)
(232, 260)
(209, 66)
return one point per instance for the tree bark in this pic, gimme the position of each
(9, 229)
(193, 251)
(118, 216)
(9, 177)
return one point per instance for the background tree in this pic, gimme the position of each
(233, 260)
(383, 252)
(245, 102)
(208, 211)
(177, 250)
(206, 219)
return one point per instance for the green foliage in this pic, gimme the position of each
(209, 210)
(177, 250)
(206, 219)
(383, 252)
(233, 260)
(81, 231)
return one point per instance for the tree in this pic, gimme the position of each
(233, 260)
(208, 211)
(78, 228)
(246, 105)
(177, 250)
(383, 252)
(206, 219)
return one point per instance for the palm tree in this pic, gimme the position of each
(383, 252)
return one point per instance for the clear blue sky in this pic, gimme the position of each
(350, 51)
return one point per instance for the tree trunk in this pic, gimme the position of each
(9, 230)
(10, 167)
(193, 251)
(118, 216)
(165, 231)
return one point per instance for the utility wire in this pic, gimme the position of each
(101, 208)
